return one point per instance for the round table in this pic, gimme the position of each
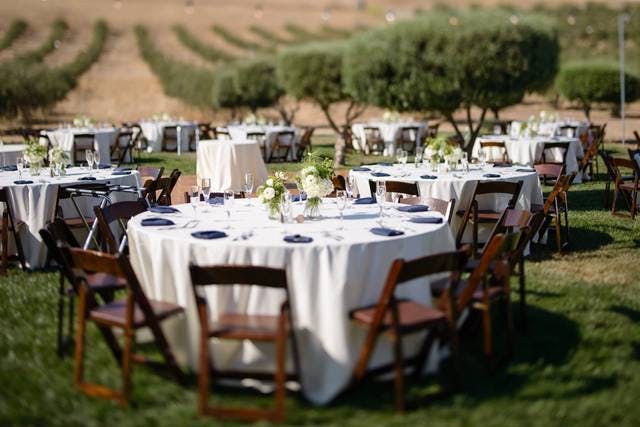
(240, 132)
(527, 151)
(104, 139)
(153, 131)
(335, 273)
(226, 162)
(458, 186)
(390, 131)
(9, 153)
(35, 204)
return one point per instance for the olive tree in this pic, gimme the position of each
(595, 82)
(314, 72)
(440, 64)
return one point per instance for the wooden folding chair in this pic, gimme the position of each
(549, 147)
(10, 228)
(553, 209)
(438, 205)
(134, 312)
(634, 156)
(261, 139)
(373, 140)
(628, 190)
(396, 318)
(399, 188)
(206, 132)
(117, 212)
(496, 145)
(166, 186)
(276, 329)
(81, 143)
(549, 171)
(304, 145)
(170, 138)
(475, 215)
(408, 138)
(281, 145)
(151, 177)
(221, 133)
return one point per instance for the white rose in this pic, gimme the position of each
(269, 193)
(310, 181)
(281, 175)
(269, 182)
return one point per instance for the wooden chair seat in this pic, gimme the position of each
(104, 281)
(242, 326)
(76, 222)
(629, 186)
(484, 215)
(412, 315)
(115, 313)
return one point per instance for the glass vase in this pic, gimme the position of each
(34, 168)
(312, 208)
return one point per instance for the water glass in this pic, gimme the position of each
(96, 158)
(464, 162)
(194, 198)
(381, 196)
(229, 196)
(88, 155)
(205, 187)
(418, 157)
(341, 203)
(350, 184)
(482, 157)
(20, 166)
(285, 210)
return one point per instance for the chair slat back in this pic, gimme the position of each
(82, 142)
(438, 205)
(400, 187)
(551, 170)
(634, 156)
(225, 275)
(499, 187)
(89, 261)
(554, 194)
(166, 186)
(119, 212)
(432, 264)
(562, 146)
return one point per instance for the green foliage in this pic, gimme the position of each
(235, 40)
(58, 30)
(312, 72)
(16, 29)
(299, 34)
(595, 82)
(256, 83)
(181, 80)
(269, 36)
(206, 51)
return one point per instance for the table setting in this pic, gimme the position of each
(239, 132)
(153, 129)
(390, 127)
(104, 135)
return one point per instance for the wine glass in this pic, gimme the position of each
(88, 155)
(381, 196)
(351, 185)
(341, 203)
(482, 157)
(285, 210)
(229, 196)
(248, 185)
(464, 162)
(96, 158)
(418, 157)
(20, 166)
(194, 198)
(205, 187)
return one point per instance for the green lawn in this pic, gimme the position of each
(578, 365)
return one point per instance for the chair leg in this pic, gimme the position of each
(280, 374)
(399, 372)
(523, 302)
(558, 233)
(487, 336)
(126, 366)
(615, 200)
(634, 203)
(204, 371)
(5, 242)
(80, 337)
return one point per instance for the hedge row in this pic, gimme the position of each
(179, 79)
(240, 42)
(15, 30)
(206, 51)
(268, 36)
(29, 86)
(58, 30)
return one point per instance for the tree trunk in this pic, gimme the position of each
(340, 149)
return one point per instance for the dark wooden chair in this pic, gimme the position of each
(400, 188)
(261, 139)
(122, 147)
(549, 172)
(610, 176)
(569, 131)
(488, 147)
(281, 145)
(588, 159)
(170, 139)
(304, 145)
(221, 133)
(475, 215)
(555, 209)
(446, 208)
(140, 141)
(408, 138)
(151, 177)
(134, 312)
(166, 186)
(10, 228)
(57, 233)
(396, 317)
(205, 131)
(373, 140)
(634, 156)
(627, 188)
(81, 143)
(637, 136)
(548, 150)
(431, 131)
(277, 329)
(116, 213)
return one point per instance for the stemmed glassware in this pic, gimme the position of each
(229, 196)
(482, 157)
(205, 188)
(351, 185)
(20, 166)
(89, 157)
(464, 162)
(285, 210)
(341, 203)
(194, 198)
(248, 185)
(96, 158)
(381, 196)
(417, 160)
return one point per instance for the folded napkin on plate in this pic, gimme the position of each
(389, 232)
(10, 168)
(414, 208)
(365, 201)
(428, 177)
(122, 169)
(296, 238)
(87, 178)
(361, 169)
(491, 175)
(379, 174)
(385, 164)
(104, 166)
(23, 181)
(502, 165)
(216, 201)
(209, 234)
(525, 170)
(156, 221)
(117, 172)
(427, 220)
(163, 209)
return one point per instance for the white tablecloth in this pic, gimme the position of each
(551, 129)
(9, 153)
(458, 186)
(104, 139)
(225, 162)
(35, 204)
(153, 130)
(390, 132)
(327, 279)
(527, 151)
(239, 132)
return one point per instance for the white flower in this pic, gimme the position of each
(309, 170)
(269, 193)
(269, 183)
(281, 175)
(429, 153)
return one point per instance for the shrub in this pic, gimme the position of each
(592, 82)
(268, 35)
(15, 30)
(255, 80)
(437, 64)
(58, 30)
(235, 40)
(206, 51)
(225, 94)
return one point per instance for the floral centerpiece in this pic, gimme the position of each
(439, 150)
(390, 116)
(58, 158)
(82, 121)
(270, 193)
(35, 153)
(315, 180)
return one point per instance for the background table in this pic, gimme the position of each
(458, 186)
(9, 153)
(35, 204)
(390, 132)
(226, 161)
(527, 151)
(327, 279)
(239, 132)
(104, 139)
(153, 131)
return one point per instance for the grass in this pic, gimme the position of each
(578, 365)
